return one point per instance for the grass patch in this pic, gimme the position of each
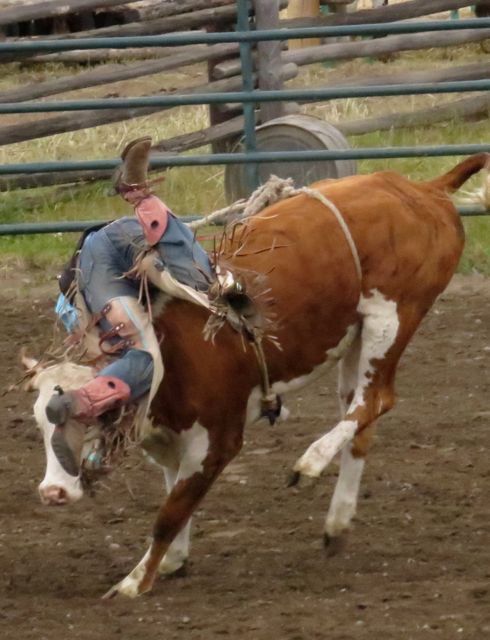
(199, 190)
(476, 256)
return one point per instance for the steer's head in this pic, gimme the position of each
(59, 485)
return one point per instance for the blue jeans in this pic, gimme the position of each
(107, 254)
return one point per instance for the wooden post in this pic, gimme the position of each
(21, 12)
(303, 9)
(268, 57)
(482, 8)
(338, 6)
(216, 115)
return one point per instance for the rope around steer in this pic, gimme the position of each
(274, 190)
(313, 193)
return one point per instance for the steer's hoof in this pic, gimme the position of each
(293, 479)
(112, 593)
(128, 588)
(334, 545)
(180, 572)
(300, 480)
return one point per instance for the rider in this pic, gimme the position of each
(179, 265)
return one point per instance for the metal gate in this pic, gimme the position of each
(248, 97)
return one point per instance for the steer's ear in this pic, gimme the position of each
(31, 364)
(32, 367)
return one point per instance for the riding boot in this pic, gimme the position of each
(90, 401)
(68, 411)
(133, 173)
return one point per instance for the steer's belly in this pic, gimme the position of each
(283, 386)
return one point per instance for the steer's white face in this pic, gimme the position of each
(57, 487)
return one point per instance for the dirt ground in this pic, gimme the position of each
(416, 565)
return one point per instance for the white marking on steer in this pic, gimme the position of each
(322, 451)
(332, 357)
(380, 325)
(344, 500)
(194, 447)
(130, 584)
(69, 376)
(379, 330)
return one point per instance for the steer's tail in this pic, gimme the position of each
(452, 180)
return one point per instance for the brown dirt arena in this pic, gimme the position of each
(416, 565)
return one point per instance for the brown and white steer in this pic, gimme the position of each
(408, 237)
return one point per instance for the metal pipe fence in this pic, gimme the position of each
(248, 97)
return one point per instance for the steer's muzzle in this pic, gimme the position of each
(53, 496)
(56, 496)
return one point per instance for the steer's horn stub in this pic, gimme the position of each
(29, 363)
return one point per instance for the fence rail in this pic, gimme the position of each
(34, 228)
(365, 153)
(245, 97)
(169, 40)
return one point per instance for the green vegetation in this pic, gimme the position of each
(199, 190)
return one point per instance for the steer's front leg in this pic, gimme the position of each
(194, 479)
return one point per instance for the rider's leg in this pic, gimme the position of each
(122, 381)
(161, 278)
(125, 379)
(178, 266)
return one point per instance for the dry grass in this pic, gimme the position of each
(190, 190)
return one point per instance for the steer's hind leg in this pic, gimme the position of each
(344, 500)
(379, 351)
